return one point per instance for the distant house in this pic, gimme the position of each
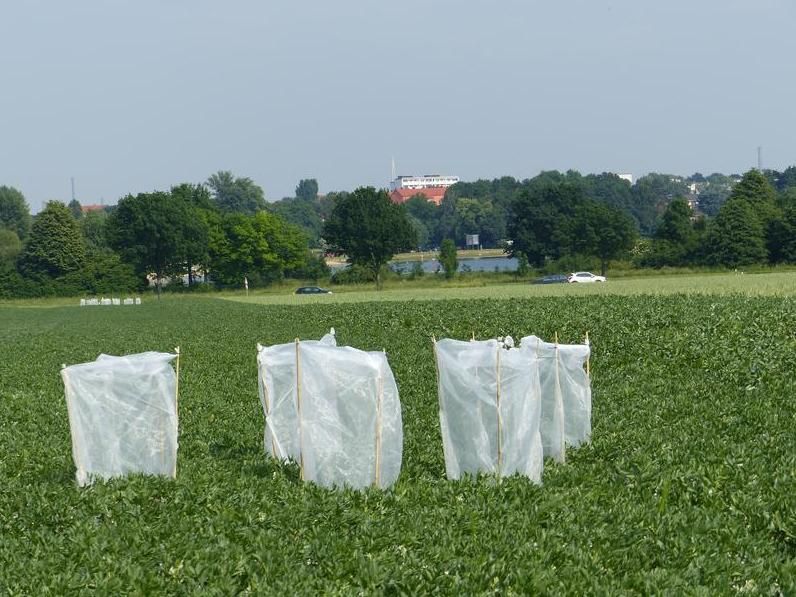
(88, 208)
(433, 186)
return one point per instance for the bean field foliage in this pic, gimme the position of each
(687, 486)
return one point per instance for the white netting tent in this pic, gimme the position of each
(490, 406)
(123, 415)
(333, 410)
(566, 394)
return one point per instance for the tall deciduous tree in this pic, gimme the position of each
(55, 246)
(736, 236)
(540, 220)
(10, 247)
(260, 247)
(193, 250)
(448, 258)
(239, 195)
(149, 231)
(369, 229)
(307, 190)
(14, 211)
(675, 239)
(76, 209)
(602, 231)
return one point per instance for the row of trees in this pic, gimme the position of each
(756, 224)
(225, 227)
(219, 227)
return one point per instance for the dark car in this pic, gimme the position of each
(554, 279)
(312, 290)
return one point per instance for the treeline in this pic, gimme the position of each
(222, 226)
(225, 227)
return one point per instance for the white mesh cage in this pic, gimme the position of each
(334, 410)
(123, 415)
(566, 394)
(276, 377)
(489, 409)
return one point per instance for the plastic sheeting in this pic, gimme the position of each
(123, 415)
(334, 410)
(490, 409)
(566, 394)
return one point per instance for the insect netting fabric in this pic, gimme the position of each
(276, 377)
(123, 416)
(566, 394)
(490, 408)
(335, 411)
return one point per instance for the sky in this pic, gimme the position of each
(129, 96)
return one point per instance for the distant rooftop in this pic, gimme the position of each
(427, 181)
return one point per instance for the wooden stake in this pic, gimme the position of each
(499, 426)
(298, 411)
(588, 358)
(177, 403)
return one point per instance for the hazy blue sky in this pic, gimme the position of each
(137, 95)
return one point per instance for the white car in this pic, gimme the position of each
(584, 277)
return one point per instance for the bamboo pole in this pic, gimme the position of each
(298, 411)
(177, 404)
(588, 358)
(499, 426)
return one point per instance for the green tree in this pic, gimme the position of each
(239, 195)
(651, 194)
(307, 190)
(369, 229)
(448, 258)
(55, 245)
(602, 231)
(93, 224)
(755, 189)
(476, 216)
(540, 220)
(261, 248)
(76, 209)
(301, 213)
(14, 212)
(421, 231)
(149, 232)
(10, 247)
(193, 247)
(736, 236)
(675, 240)
(425, 218)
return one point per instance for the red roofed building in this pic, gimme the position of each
(433, 186)
(87, 208)
(433, 194)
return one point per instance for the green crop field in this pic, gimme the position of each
(686, 488)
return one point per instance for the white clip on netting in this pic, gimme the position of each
(334, 410)
(123, 415)
(566, 394)
(489, 408)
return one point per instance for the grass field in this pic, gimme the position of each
(687, 487)
(768, 284)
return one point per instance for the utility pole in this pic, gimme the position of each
(73, 188)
